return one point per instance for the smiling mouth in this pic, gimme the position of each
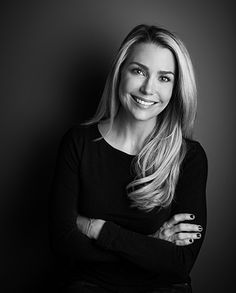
(142, 102)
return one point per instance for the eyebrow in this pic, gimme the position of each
(146, 68)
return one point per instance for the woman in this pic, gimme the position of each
(129, 209)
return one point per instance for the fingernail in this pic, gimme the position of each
(191, 240)
(200, 228)
(192, 216)
(198, 235)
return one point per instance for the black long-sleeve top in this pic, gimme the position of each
(91, 179)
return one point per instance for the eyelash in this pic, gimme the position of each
(140, 71)
(164, 78)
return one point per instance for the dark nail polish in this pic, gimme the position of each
(200, 228)
(192, 216)
(191, 240)
(198, 235)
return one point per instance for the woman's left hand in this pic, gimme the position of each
(177, 231)
(89, 227)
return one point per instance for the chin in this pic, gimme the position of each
(143, 117)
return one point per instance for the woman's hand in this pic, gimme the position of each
(89, 227)
(177, 231)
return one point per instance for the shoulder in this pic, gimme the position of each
(195, 156)
(80, 132)
(75, 137)
(194, 149)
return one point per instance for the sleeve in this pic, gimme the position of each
(66, 240)
(158, 255)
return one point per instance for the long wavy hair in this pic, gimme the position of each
(157, 165)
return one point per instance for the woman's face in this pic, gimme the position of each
(147, 80)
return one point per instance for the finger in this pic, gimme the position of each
(179, 218)
(185, 236)
(186, 227)
(184, 242)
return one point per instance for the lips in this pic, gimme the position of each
(143, 101)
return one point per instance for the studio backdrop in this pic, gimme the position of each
(55, 56)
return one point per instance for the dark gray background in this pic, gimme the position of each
(54, 59)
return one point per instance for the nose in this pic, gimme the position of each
(148, 87)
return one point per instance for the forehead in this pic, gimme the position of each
(153, 56)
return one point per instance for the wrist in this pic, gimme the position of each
(95, 227)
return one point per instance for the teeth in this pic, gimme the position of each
(143, 102)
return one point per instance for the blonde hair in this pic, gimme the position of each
(157, 165)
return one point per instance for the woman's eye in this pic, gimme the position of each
(164, 78)
(138, 71)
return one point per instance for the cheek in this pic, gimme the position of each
(121, 90)
(128, 84)
(122, 86)
(122, 93)
(167, 94)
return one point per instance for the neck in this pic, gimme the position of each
(130, 132)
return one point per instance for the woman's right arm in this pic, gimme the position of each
(66, 239)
